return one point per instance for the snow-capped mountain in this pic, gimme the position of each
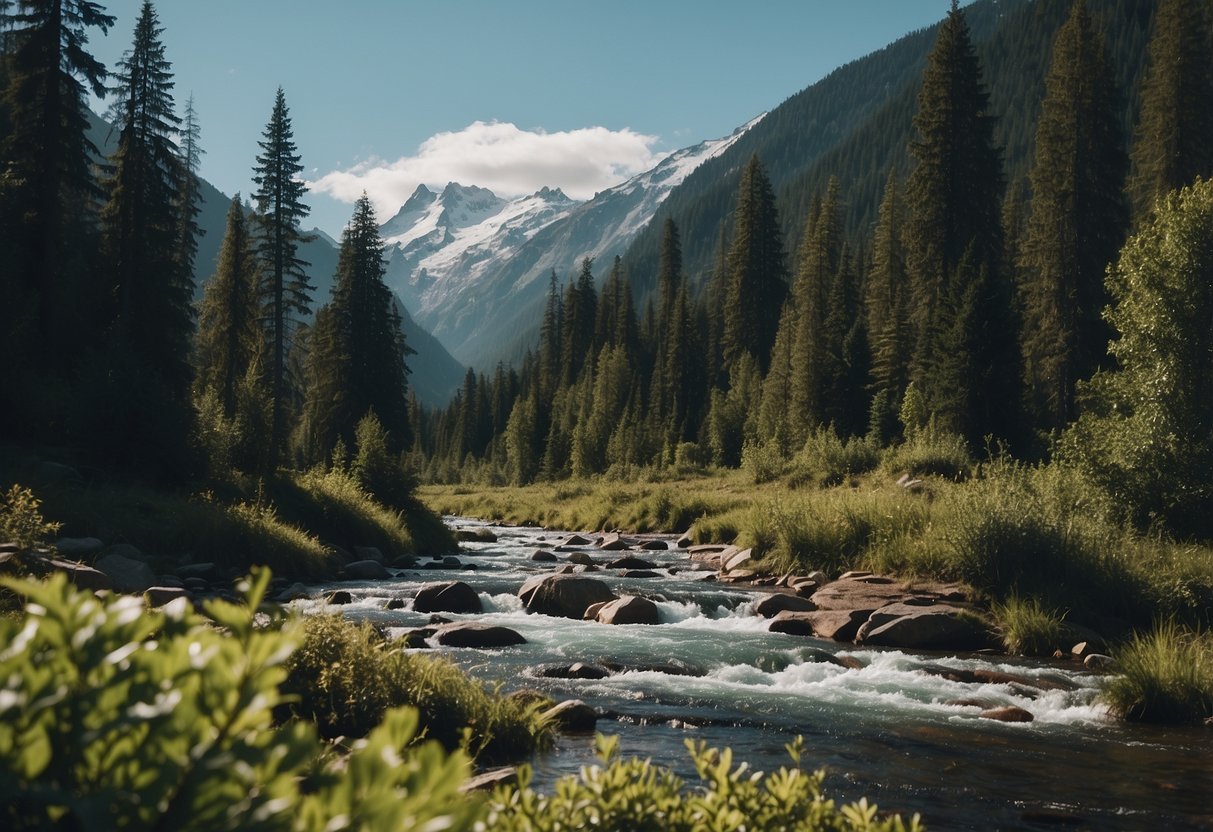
(474, 268)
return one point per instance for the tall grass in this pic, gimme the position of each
(1028, 627)
(345, 677)
(1165, 675)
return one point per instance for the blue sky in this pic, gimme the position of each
(506, 95)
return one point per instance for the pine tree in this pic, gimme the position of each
(285, 292)
(954, 194)
(669, 269)
(1173, 144)
(358, 352)
(229, 341)
(887, 314)
(153, 312)
(844, 362)
(1077, 220)
(46, 182)
(549, 341)
(757, 274)
(818, 265)
(577, 326)
(189, 191)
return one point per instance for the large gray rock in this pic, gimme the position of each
(1009, 713)
(778, 602)
(581, 559)
(78, 548)
(158, 596)
(127, 573)
(631, 562)
(614, 543)
(544, 556)
(566, 596)
(628, 610)
(471, 634)
(85, 577)
(572, 716)
(938, 626)
(366, 570)
(451, 596)
(740, 559)
(833, 625)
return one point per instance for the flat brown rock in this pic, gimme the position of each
(1008, 714)
(778, 602)
(939, 626)
(836, 625)
(851, 594)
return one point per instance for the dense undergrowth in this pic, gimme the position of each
(115, 716)
(290, 521)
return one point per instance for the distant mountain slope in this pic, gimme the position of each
(474, 268)
(856, 122)
(435, 374)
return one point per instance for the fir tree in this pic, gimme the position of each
(887, 314)
(285, 292)
(1076, 223)
(189, 191)
(229, 340)
(358, 364)
(954, 194)
(1173, 144)
(818, 266)
(549, 341)
(153, 312)
(46, 182)
(757, 274)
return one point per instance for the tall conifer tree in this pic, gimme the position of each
(46, 156)
(757, 272)
(954, 194)
(886, 301)
(189, 190)
(285, 292)
(153, 311)
(1174, 140)
(1077, 220)
(358, 364)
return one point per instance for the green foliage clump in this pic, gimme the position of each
(929, 452)
(376, 468)
(1028, 627)
(21, 519)
(637, 796)
(763, 461)
(829, 460)
(161, 720)
(1165, 675)
(344, 677)
(1147, 431)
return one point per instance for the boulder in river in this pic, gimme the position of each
(777, 602)
(158, 596)
(577, 540)
(654, 546)
(472, 634)
(581, 559)
(341, 596)
(923, 628)
(739, 559)
(684, 542)
(631, 562)
(572, 716)
(576, 670)
(366, 570)
(1010, 713)
(629, 609)
(450, 596)
(614, 543)
(857, 594)
(566, 596)
(123, 568)
(543, 556)
(835, 625)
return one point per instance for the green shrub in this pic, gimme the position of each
(763, 461)
(344, 677)
(929, 452)
(1028, 627)
(1165, 675)
(21, 519)
(117, 717)
(376, 469)
(634, 795)
(829, 460)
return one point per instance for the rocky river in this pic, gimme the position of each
(909, 729)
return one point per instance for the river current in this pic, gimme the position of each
(888, 730)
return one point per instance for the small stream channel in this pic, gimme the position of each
(888, 730)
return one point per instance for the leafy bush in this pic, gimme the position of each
(763, 461)
(375, 468)
(1165, 675)
(634, 795)
(21, 519)
(344, 677)
(929, 452)
(829, 460)
(1028, 627)
(112, 716)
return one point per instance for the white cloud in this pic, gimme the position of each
(501, 157)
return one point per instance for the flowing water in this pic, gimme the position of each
(887, 730)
